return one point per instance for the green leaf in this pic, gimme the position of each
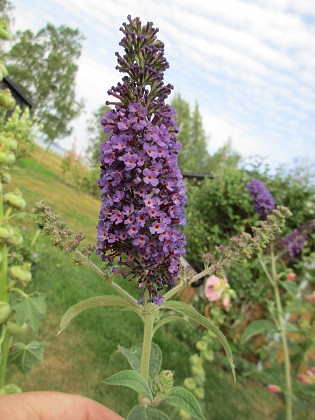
(75, 310)
(289, 327)
(184, 399)
(26, 355)
(134, 358)
(290, 287)
(130, 379)
(187, 310)
(168, 319)
(139, 412)
(30, 309)
(257, 327)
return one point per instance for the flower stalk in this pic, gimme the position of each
(282, 330)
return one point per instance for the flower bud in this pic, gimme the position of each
(208, 355)
(21, 273)
(6, 99)
(7, 157)
(201, 345)
(14, 329)
(4, 311)
(16, 239)
(6, 231)
(15, 200)
(190, 384)
(199, 393)
(163, 383)
(9, 141)
(274, 389)
(10, 389)
(5, 177)
(291, 276)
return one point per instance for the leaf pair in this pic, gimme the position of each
(178, 396)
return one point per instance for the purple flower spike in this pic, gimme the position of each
(263, 201)
(295, 241)
(142, 189)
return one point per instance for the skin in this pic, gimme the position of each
(52, 406)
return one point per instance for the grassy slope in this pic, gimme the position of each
(77, 360)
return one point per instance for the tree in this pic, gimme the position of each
(6, 8)
(96, 134)
(194, 156)
(44, 66)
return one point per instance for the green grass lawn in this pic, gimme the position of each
(77, 360)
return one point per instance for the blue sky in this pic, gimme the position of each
(250, 65)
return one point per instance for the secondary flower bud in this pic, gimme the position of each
(6, 231)
(4, 311)
(163, 383)
(6, 99)
(7, 157)
(274, 389)
(7, 139)
(14, 199)
(14, 329)
(21, 273)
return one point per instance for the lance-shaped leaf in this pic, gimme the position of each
(31, 309)
(168, 319)
(290, 287)
(184, 399)
(130, 379)
(187, 310)
(75, 310)
(26, 355)
(257, 327)
(134, 358)
(139, 412)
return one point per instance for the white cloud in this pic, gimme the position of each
(249, 64)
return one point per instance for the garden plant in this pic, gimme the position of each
(19, 311)
(138, 233)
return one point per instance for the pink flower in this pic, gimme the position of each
(291, 276)
(310, 297)
(214, 288)
(226, 301)
(274, 389)
(308, 378)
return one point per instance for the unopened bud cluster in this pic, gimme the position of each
(61, 235)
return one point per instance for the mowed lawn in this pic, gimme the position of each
(77, 360)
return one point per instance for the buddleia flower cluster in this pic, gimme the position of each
(141, 185)
(295, 240)
(263, 201)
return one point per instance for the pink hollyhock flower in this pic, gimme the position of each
(310, 297)
(291, 276)
(214, 288)
(274, 389)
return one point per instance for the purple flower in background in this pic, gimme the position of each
(263, 201)
(295, 241)
(142, 189)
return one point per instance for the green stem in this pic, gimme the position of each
(287, 368)
(4, 298)
(148, 315)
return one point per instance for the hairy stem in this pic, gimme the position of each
(148, 315)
